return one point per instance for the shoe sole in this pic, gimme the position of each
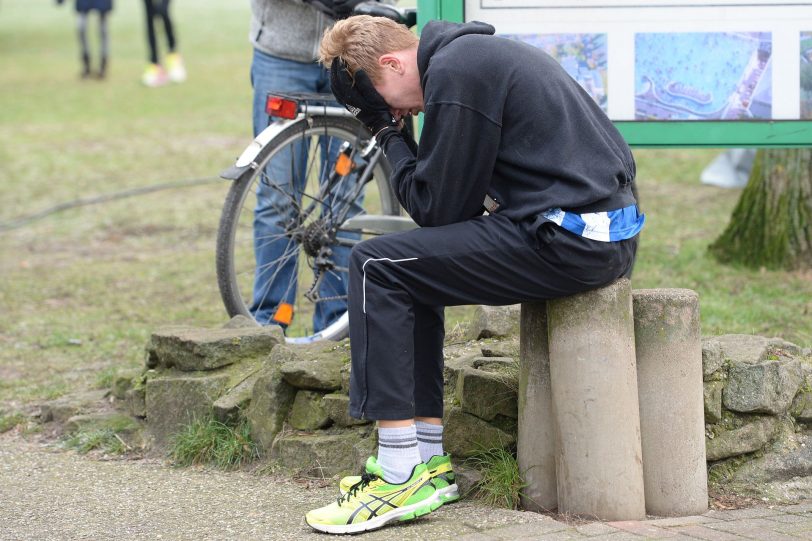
(408, 512)
(449, 494)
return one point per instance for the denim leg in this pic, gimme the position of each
(277, 283)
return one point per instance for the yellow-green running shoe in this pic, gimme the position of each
(440, 471)
(373, 503)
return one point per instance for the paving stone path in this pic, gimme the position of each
(46, 494)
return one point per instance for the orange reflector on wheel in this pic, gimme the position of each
(284, 314)
(343, 165)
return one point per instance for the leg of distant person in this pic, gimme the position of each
(81, 30)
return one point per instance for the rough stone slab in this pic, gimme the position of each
(227, 408)
(114, 421)
(61, 409)
(337, 406)
(801, 407)
(712, 356)
(314, 367)
(465, 434)
(270, 403)
(467, 478)
(135, 400)
(791, 458)
(495, 322)
(746, 439)
(175, 401)
(713, 400)
(308, 411)
(507, 347)
(496, 364)
(241, 322)
(751, 349)
(192, 349)
(486, 394)
(764, 387)
(318, 454)
(451, 372)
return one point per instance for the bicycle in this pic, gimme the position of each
(343, 166)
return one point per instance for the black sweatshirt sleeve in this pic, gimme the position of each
(448, 179)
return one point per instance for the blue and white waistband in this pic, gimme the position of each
(606, 226)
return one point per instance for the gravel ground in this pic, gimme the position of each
(48, 494)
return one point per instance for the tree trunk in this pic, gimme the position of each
(772, 224)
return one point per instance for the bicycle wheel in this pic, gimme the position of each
(286, 229)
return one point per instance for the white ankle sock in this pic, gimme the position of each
(429, 440)
(398, 453)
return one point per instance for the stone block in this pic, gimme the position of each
(508, 347)
(466, 434)
(271, 399)
(308, 411)
(503, 365)
(135, 400)
(801, 407)
(337, 406)
(345, 372)
(745, 439)
(712, 356)
(495, 322)
(750, 349)
(788, 459)
(192, 349)
(713, 401)
(763, 387)
(227, 408)
(486, 394)
(314, 367)
(109, 420)
(451, 372)
(240, 322)
(173, 401)
(61, 409)
(319, 454)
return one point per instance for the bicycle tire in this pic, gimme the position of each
(232, 262)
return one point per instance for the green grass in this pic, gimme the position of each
(82, 289)
(501, 483)
(104, 440)
(210, 442)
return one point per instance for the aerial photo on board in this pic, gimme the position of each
(703, 76)
(582, 55)
(806, 75)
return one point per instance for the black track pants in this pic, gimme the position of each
(400, 284)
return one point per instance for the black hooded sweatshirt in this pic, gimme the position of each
(503, 119)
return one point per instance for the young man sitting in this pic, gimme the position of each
(523, 189)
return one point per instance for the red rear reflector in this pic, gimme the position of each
(280, 107)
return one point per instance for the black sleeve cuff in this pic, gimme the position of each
(394, 144)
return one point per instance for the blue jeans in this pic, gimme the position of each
(276, 254)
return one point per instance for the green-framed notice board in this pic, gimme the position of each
(669, 73)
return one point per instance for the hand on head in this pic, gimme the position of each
(357, 93)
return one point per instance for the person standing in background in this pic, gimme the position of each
(83, 9)
(285, 35)
(155, 74)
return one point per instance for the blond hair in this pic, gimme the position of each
(361, 40)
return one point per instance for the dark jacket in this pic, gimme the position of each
(503, 118)
(83, 6)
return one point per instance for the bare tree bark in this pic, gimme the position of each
(771, 225)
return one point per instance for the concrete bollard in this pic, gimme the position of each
(599, 467)
(669, 376)
(536, 442)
